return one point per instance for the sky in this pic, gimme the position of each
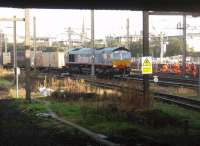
(52, 23)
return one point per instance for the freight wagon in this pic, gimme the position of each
(43, 59)
(49, 59)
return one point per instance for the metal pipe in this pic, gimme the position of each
(92, 44)
(10, 19)
(83, 34)
(34, 41)
(14, 43)
(127, 33)
(27, 32)
(184, 45)
(1, 48)
(6, 45)
(17, 83)
(69, 37)
(199, 80)
(15, 53)
(161, 48)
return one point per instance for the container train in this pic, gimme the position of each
(106, 60)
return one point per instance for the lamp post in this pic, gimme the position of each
(184, 43)
(15, 55)
(92, 44)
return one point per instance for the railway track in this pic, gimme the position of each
(176, 82)
(182, 101)
(165, 81)
(178, 100)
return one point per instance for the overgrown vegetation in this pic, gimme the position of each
(121, 114)
(193, 117)
(161, 121)
(5, 80)
(5, 84)
(178, 91)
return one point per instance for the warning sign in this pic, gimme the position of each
(146, 65)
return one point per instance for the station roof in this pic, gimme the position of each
(150, 5)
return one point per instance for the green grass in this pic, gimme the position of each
(25, 106)
(89, 117)
(179, 112)
(65, 109)
(5, 83)
(114, 123)
(117, 123)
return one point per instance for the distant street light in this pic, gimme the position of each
(183, 27)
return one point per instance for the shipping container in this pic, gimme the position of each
(38, 58)
(6, 58)
(53, 59)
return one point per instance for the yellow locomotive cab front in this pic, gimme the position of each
(121, 63)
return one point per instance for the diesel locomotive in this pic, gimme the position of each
(115, 60)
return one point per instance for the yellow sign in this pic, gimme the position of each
(147, 65)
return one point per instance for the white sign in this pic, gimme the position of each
(155, 79)
(18, 71)
(147, 65)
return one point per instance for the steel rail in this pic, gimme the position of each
(172, 82)
(182, 101)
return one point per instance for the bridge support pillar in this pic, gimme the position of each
(146, 93)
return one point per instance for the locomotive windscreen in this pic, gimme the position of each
(71, 58)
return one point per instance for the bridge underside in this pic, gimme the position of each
(155, 5)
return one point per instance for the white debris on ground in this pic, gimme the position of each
(45, 91)
(45, 115)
